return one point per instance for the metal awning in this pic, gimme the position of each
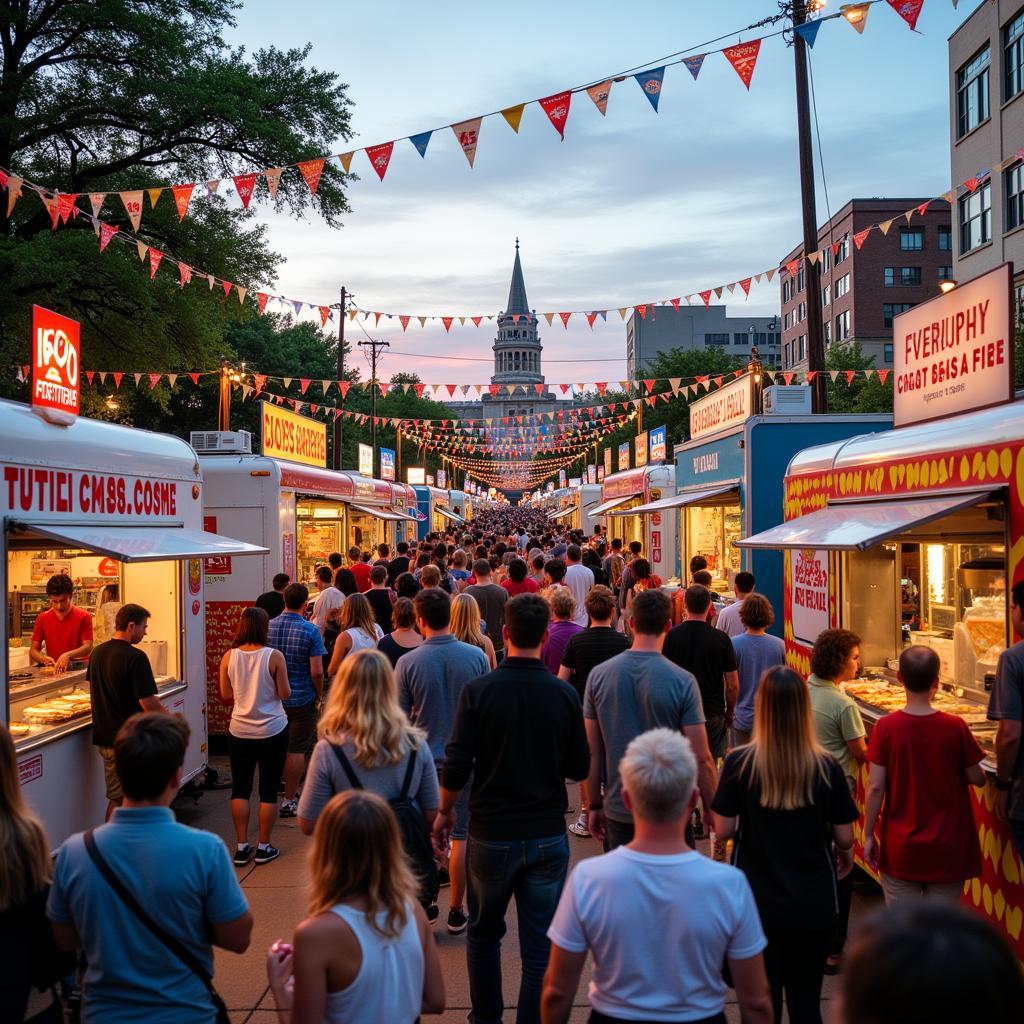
(561, 513)
(860, 525)
(604, 508)
(451, 515)
(389, 514)
(692, 496)
(140, 543)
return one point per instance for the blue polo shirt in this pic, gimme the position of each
(185, 882)
(298, 640)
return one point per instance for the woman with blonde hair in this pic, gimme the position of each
(365, 952)
(366, 742)
(785, 803)
(359, 630)
(562, 628)
(465, 626)
(27, 950)
(105, 618)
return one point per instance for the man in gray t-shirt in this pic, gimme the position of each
(1006, 706)
(630, 694)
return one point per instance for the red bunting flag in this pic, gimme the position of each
(325, 313)
(883, 375)
(675, 303)
(52, 205)
(494, 389)
(184, 274)
(539, 388)
(245, 186)
(404, 320)
(65, 204)
(859, 236)
(557, 109)
(850, 374)
(311, 171)
(743, 57)
(476, 320)
(591, 317)
(155, 256)
(260, 381)
(195, 377)
(380, 157)
(383, 388)
(565, 319)
(792, 266)
(107, 232)
(89, 374)
(343, 386)
(117, 375)
(788, 378)
(706, 298)
(376, 322)
(447, 321)
(908, 10)
(811, 374)
(303, 385)
(154, 379)
(261, 299)
(745, 285)
(649, 384)
(602, 387)
(451, 391)
(642, 310)
(182, 197)
(924, 206)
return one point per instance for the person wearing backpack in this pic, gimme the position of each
(366, 742)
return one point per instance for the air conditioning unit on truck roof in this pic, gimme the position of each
(221, 442)
(787, 400)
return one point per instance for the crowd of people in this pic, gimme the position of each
(419, 715)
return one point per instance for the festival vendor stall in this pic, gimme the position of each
(436, 514)
(622, 496)
(108, 506)
(916, 535)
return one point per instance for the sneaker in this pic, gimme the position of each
(264, 855)
(457, 921)
(433, 912)
(243, 856)
(579, 827)
(289, 809)
(443, 878)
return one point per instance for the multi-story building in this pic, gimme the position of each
(694, 328)
(863, 289)
(986, 120)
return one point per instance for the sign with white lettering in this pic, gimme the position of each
(640, 449)
(727, 407)
(624, 455)
(658, 444)
(809, 594)
(416, 475)
(55, 366)
(387, 464)
(954, 353)
(365, 459)
(295, 438)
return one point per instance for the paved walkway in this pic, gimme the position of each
(277, 896)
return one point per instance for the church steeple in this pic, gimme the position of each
(517, 347)
(517, 290)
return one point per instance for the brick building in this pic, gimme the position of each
(862, 290)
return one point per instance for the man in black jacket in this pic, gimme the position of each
(519, 730)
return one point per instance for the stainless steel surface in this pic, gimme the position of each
(870, 590)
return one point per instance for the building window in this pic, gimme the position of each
(828, 333)
(843, 325)
(887, 352)
(911, 239)
(890, 276)
(787, 290)
(842, 249)
(1018, 304)
(1013, 57)
(910, 276)
(976, 218)
(803, 347)
(1014, 194)
(972, 93)
(826, 255)
(802, 312)
(739, 338)
(826, 296)
(800, 276)
(842, 286)
(890, 310)
(716, 339)
(946, 238)
(945, 273)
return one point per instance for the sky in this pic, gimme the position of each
(631, 207)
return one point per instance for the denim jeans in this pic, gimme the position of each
(532, 870)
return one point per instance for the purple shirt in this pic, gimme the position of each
(559, 633)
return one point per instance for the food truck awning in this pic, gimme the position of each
(390, 514)
(858, 526)
(451, 515)
(604, 508)
(140, 543)
(692, 496)
(561, 513)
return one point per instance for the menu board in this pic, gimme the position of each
(318, 540)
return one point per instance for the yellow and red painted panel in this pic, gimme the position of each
(221, 624)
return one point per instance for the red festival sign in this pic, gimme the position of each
(55, 366)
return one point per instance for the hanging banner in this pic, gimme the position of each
(724, 408)
(294, 438)
(954, 353)
(557, 109)
(650, 82)
(743, 57)
(387, 464)
(56, 352)
(607, 462)
(599, 94)
(623, 456)
(365, 460)
(658, 444)
(640, 449)
(468, 134)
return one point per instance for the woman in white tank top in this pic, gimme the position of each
(365, 954)
(359, 631)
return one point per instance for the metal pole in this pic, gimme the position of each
(224, 404)
(398, 454)
(373, 346)
(812, 278)
(339, 423)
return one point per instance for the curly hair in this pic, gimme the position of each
(832, 651)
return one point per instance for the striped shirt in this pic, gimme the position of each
(298, 640)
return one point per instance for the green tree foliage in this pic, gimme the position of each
(105, 95)
(860, 396)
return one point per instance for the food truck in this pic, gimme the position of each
(107, 505)
(622, 494)
(729, 478)
(436, 514)
(460, 503)
(916, 535)
(574, 507)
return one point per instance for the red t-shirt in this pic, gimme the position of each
(928, 832)
(56, 636)
(527, 586)
(361, 571)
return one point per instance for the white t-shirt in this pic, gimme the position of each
(659, 929)
(729, 619)
(325, 603)
(579, 579)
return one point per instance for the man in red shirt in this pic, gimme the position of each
(922, 762)
(360, 569)
(66, 631)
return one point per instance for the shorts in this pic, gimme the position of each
(115, 794)
(718, 736)
(461, 829)
(268, 753)
(301, 728)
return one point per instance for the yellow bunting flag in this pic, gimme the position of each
(154, 196)
(346, 161)
(513, 115)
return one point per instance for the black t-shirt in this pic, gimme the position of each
(119, 675)
(380, 602)
(587, 650)
(707, 653)
(787, 855)
(396, 567)
(271, 602)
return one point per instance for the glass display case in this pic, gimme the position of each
(711, 531)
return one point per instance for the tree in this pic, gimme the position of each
(107, 95)
(861, 395)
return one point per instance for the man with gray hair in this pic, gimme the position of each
(704, 911)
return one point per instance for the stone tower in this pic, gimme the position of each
(517, 348)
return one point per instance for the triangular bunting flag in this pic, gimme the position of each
(52, 204)
(245, 185)
(642, 310)
(303, 385)
(856, 15)
(513, 115)
(885, 225)
(833, 374)
(261, 300)
(476, 320)
(745, 285)
(13, 192)
(117, 375)
(65, 204)
(195, 377)
(380, 157)
(808, 31)
(565, 319)
(591, 317)
(468, 134)
(343, 386)
(622, 312)
(908, 10)
(184, 274)
(154, 196)
(850, 374)
(547, 316)
(155, 256)
(422, 320)
(447, 321)
(811, 374)
(154, 379)
(599, 94)
(705, 297)
(133, 207)
(96, 201)
(272, 176)
(241, 292)
(743, 58)
(859, 236)
(557, 109)
(792, 267)
(311, 171)
(226, 285)
(650, 82)
(421, 142)
(107, 232)
(693, 64)
(212, 186)
(182, 197)
(883, 375)
(924, 206)
(138, 378)
(345, 159)
(404, 320)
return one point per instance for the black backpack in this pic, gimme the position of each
(411, 827)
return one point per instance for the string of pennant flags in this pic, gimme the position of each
(741, 56)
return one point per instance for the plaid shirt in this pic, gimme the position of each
(298, 640)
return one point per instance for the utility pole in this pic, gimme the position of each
(373, 346)
(812, 274)
(224, 405)
(339, 423)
